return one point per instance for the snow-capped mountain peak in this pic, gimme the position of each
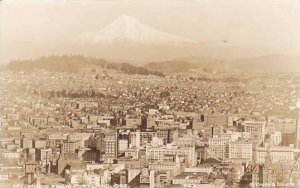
(126, 29)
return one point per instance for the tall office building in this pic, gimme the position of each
(240, 150)
(256, 128)
(135, 139)
(218, 147)
(111, 149)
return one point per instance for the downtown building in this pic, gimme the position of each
(158, 153)
(240, 151)
(277, 154)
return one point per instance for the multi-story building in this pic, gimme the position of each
(172, 169)
(69, 146)
(132, 152)
(240, 150)
(157, 141)
(122, 146)
(146, 137)
(158, 153)
(276, 138)
(10, 154)
(27, 143)
(135, 139)
(100, 142)
(263, 176)
(164, 135)
(43, 154)
(203, 168)
(218, 147)
(191, 179)
(39, 143)
(278, 154)
(256, 128)
(282, 124)
(92, 179)
(186, 141)
(212, 131)
(111, 145)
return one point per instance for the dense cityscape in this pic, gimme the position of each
(104, 128)
(149, 94)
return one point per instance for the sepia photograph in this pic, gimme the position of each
(149, 93)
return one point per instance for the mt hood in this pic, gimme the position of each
(126, 29)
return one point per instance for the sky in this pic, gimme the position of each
(34, 28)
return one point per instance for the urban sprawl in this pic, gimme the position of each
(101, 128)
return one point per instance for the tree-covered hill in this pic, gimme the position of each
(74, 64)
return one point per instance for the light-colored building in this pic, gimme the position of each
(157, 141)
(275, 138)
(132, 152)
(43, 154)
(282, 124)
(240, 150)
(191, 179)
(92, 179)
(158, 153)
(218, 147)
(256, 128)
(70, 146)
(203, 169)
(186, 141)
(11, 154)
(89, 179)
(39, 143)
(263, 176)
(172, 168)
(122, 145)
(278, 154)
(135, 139)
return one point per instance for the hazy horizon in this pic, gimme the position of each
(222, 29)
